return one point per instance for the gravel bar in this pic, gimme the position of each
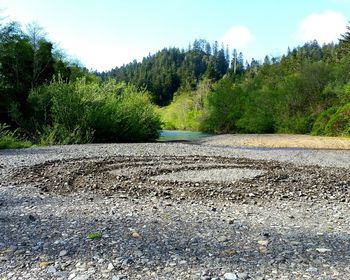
(174, 211)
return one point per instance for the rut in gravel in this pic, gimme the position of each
(183, 177)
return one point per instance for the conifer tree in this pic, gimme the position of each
(345, 41)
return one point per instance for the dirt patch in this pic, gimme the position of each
(278, 141)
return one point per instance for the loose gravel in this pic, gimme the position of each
(174, 211)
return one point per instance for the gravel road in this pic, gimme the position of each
(174, 211)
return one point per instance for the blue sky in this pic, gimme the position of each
(103, 34)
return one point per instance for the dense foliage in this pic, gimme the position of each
(53, 101)
(81, 111)
(27, 60)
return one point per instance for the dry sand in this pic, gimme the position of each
(278, 141)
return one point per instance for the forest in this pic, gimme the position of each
(47, 99)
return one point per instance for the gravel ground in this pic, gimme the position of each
(127, 211)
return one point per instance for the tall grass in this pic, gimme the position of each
(10, 139)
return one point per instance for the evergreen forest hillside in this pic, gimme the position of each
(204, 88)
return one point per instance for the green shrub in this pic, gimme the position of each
(125, 117)
(299, 124)
(258, 113)
(10, 139)
(181, 113)
(339, 122)
(82, 112)
(224, 108)
(187, 109)
(58, 134)
(322, 120)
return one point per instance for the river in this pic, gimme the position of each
(180, 135)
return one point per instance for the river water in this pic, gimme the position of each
(180, 135)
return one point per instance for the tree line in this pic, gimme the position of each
(306, 91)
(204, 87)
(174, 69)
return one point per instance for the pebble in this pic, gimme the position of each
(222, 238)
(312, 270)
(63, 253)
(230, 276)
(263, 242)
(135, 234)
(323, 250)
(110, 267)
(242, 275)
(51, 269)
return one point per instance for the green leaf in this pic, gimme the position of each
(95, 235)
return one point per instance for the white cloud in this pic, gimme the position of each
(106, 56)
(324, 27)
(238, 37)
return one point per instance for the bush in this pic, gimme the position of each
(339, 122)
(58, 134)
(125, 117)
(224, 108)
(258, 113)
(181, 113)
(10, 140)
(322, 120)
(81, 112)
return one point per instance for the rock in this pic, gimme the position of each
(31, 218)
(110, 267)
(262, 249)
(135, 235)
(51, 269)
(263, 242)
(323, 250)
(43, 264)
(63, 253)
(312, 270)
(230, 276)
(242, 275)
(222, 239)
